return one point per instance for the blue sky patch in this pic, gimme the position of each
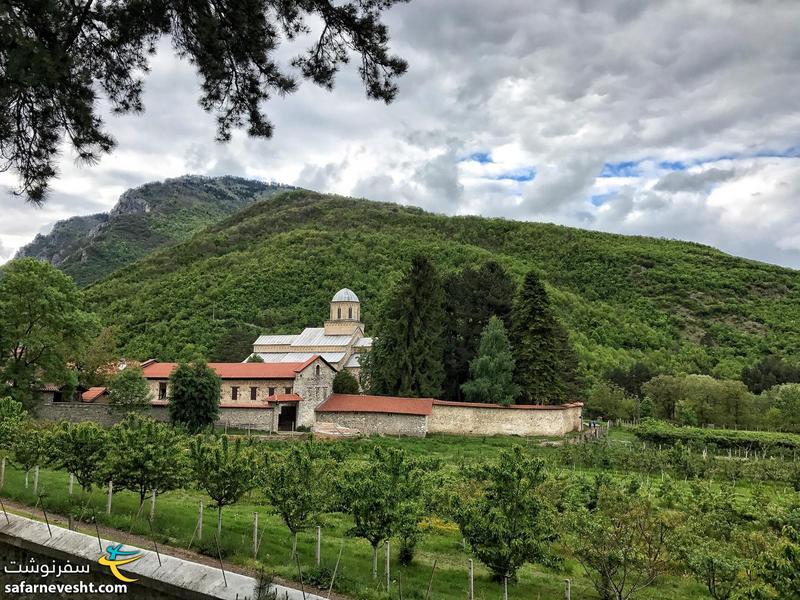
(521, 175)
(483, 158)
(627, 168)
(672, 165)
(600, 199)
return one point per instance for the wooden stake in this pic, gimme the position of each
(335, 569)
(388, 560)
(568, 589)
(318, 553)
(471, 580)
(430, 581)
(36, 480)
(255, 535)
(2, 472)
(110, 494)
(505, 587)
(153, 506)
(71, 483)
(200, 522)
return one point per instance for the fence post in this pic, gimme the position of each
(110, 493)
(568, 589)
(2, 472)
(36, 479)
(388, 557)
(255, 535)
(318, 554)
(200, 522)
(505, 587)
(153, 505)
(71, 483)
(471, 580)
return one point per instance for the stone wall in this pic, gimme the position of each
(379, 423)
(314, 388)
(260, 419)
(263, 385)
(471, 419)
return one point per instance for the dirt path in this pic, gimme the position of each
(130, 539)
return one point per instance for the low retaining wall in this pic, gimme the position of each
(462, 418)
(165, 578)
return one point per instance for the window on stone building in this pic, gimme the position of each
(339, 313)
(271, 391)
(162, 390)
(287, 390)
(234, 393)
(317, 370)
(253, 393)
(350, 313)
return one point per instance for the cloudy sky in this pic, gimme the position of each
(676, 119)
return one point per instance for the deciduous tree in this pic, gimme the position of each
(295, 483)
(81, 449)
(506, 521)
(42, 326)
(148, 455)
(128, 391)
(381, 494)
(222, 470)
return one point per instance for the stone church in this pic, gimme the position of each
(341, 341)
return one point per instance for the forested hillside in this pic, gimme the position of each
(145, 218)
(272, 267)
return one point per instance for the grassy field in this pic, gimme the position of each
(177, 513)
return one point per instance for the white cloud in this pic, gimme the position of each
(560, 90)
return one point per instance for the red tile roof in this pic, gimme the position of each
(284, 398)
(92, 394)
(376, 404)
(159, 370)
(513, 406)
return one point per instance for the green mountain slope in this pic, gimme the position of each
(145, 218)
(274, 266)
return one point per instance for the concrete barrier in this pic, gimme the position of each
(172, 577)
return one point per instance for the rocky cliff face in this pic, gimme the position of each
(145, 218)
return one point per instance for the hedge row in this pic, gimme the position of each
(660, 432)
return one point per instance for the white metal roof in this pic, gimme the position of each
(364, 342)
(345, 295)
(315, 336)
(276, 340)
(298, 357)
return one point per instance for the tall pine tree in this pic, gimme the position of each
(473, 297)
(493, 369)
(407, 356)
(546, 365)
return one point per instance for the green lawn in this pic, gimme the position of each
(177, 513)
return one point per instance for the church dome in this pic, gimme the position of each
(345, 295)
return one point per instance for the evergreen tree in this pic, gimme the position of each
(473, 297)
(406, 358)
(345, 383)
(60, 59)
(546, 365)
(493, 369)
(194, 396)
